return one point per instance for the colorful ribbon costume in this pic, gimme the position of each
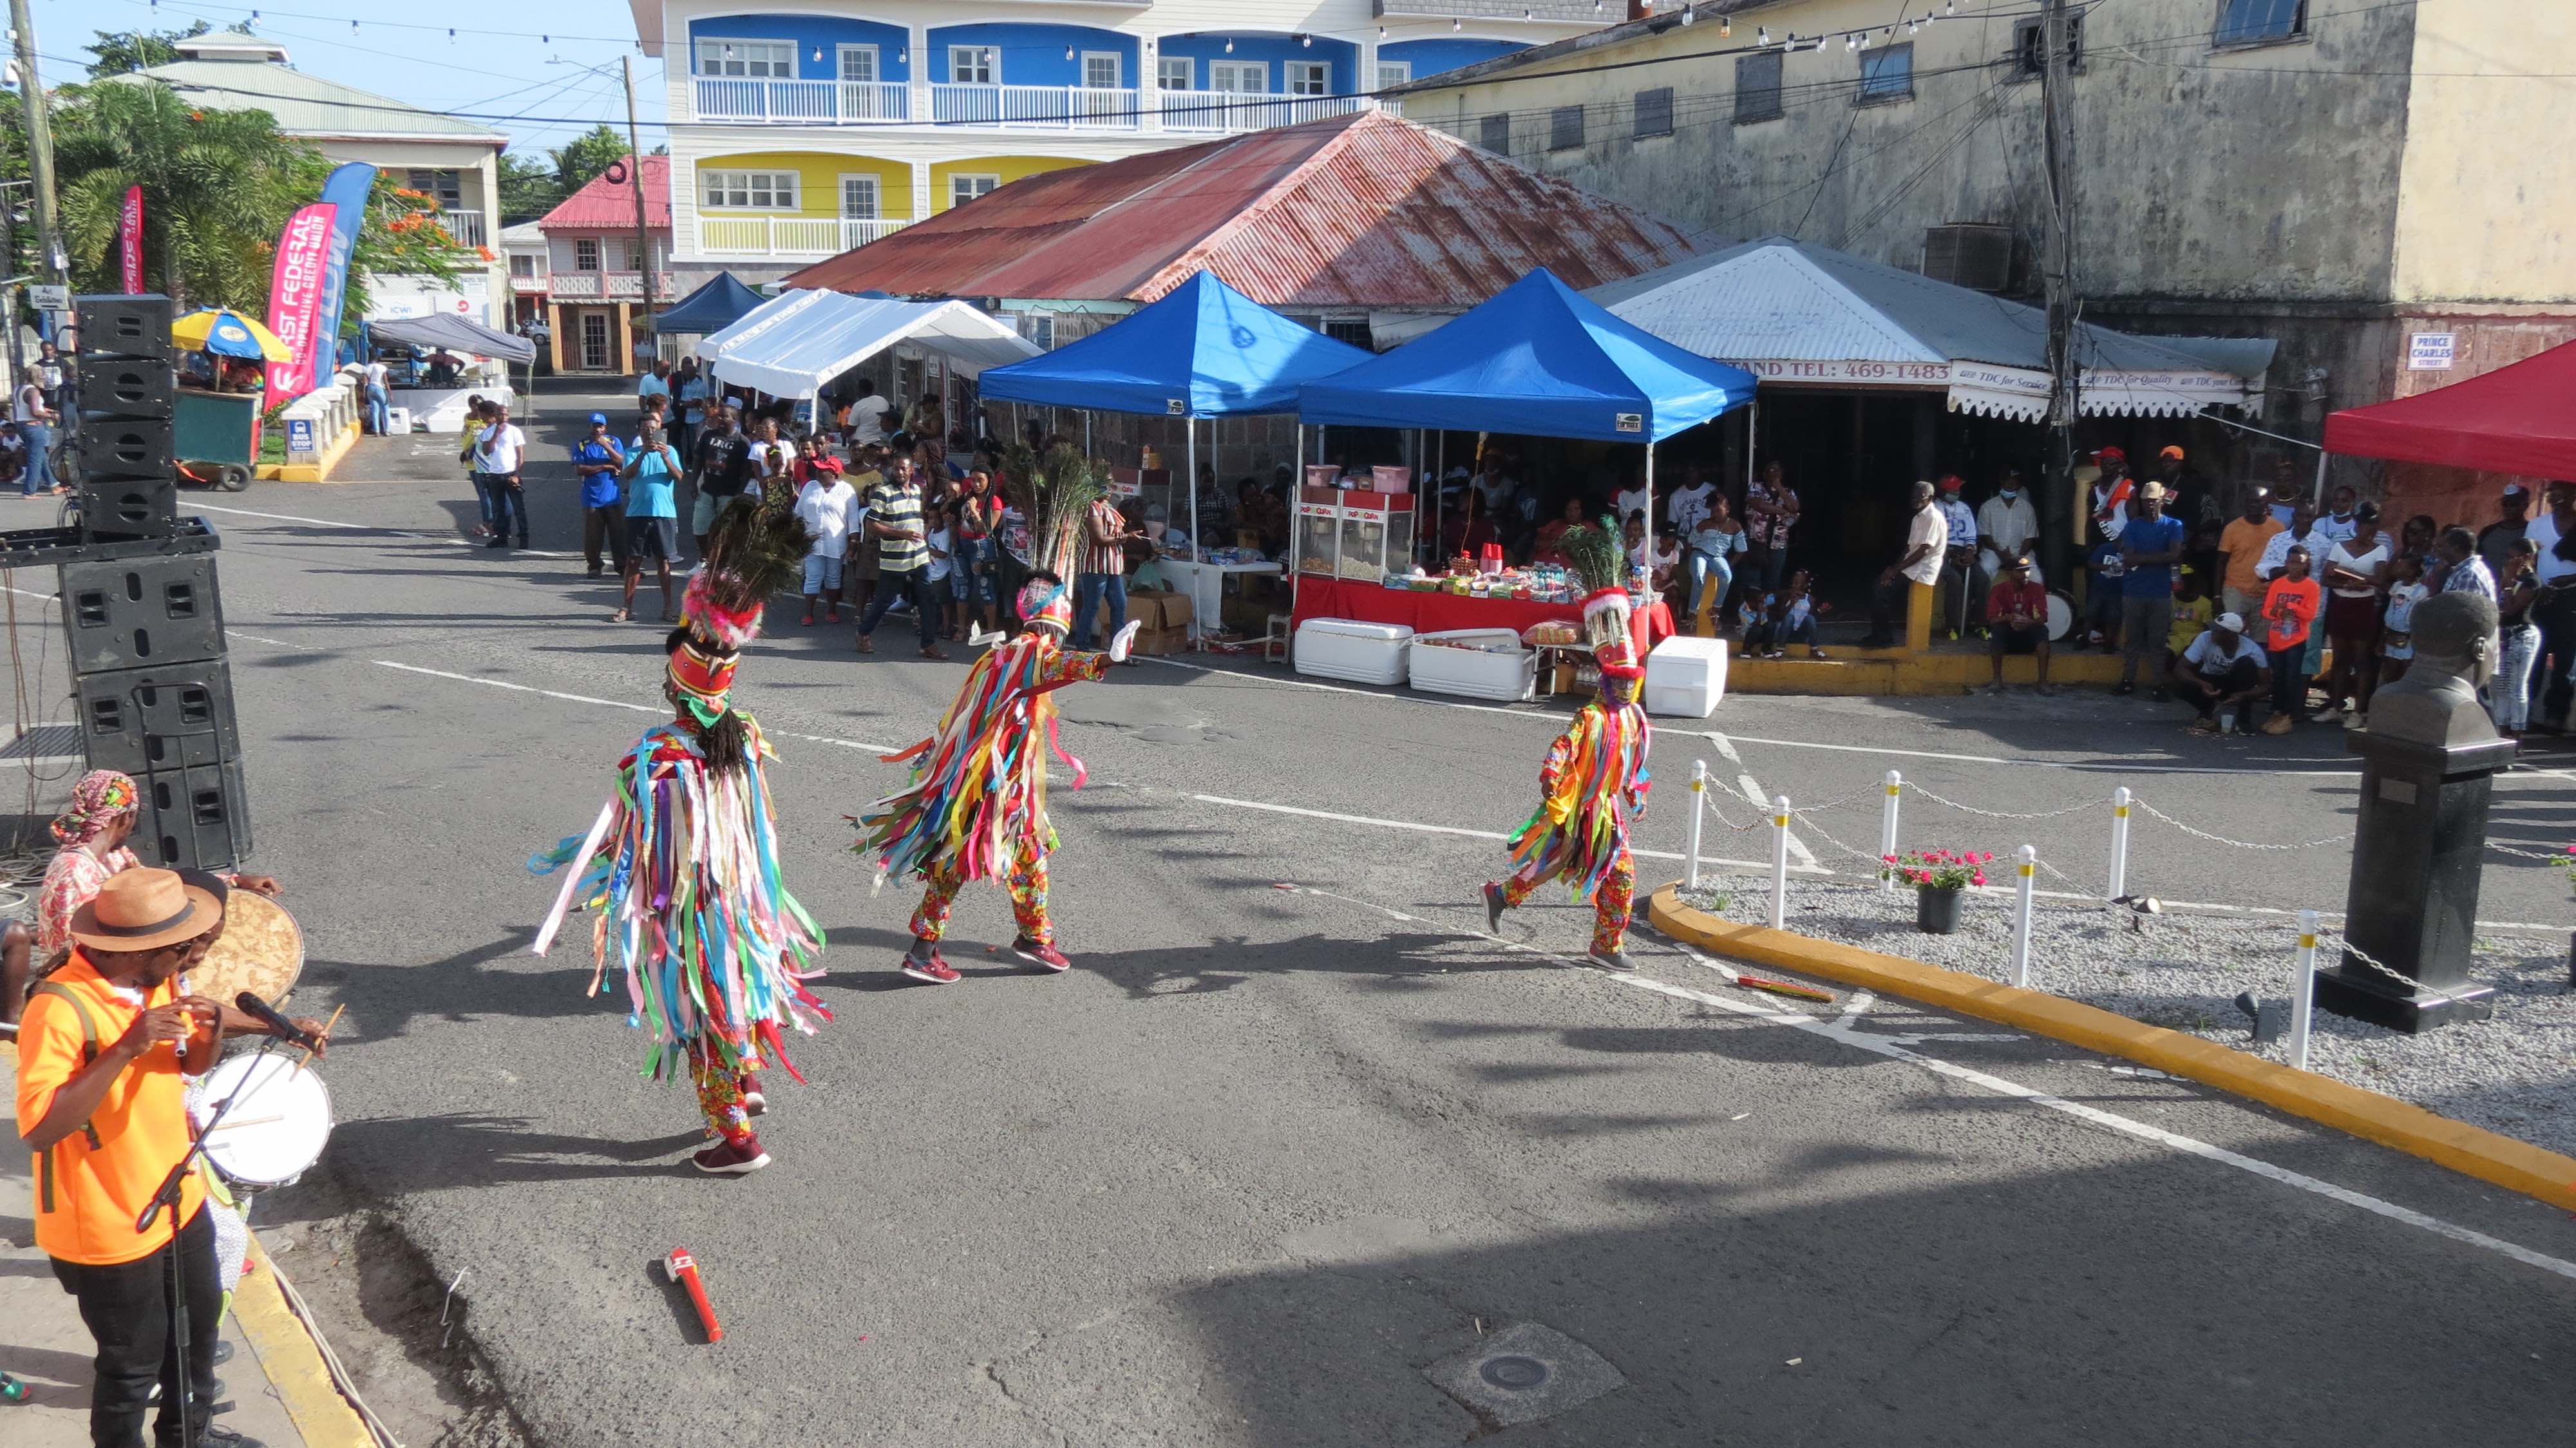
(975, 808)
(1593, 787)
(683, 861)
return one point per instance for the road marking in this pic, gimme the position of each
(1419, 828)
(615, 704)
(378, 528)
(1841, 1031)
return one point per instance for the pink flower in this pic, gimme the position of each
(1978, 878)
(1891, 859)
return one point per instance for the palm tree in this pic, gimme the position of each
(217, 186)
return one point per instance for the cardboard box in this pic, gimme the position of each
(1159, 608)
(1162, 642)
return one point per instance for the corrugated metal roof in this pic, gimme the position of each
(1356, 211)
(304, 105)
(1787, 300)
(605, 205)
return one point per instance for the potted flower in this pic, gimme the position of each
(1940, 879)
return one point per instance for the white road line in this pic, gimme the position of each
(2087, 766)
(1418, 828)
(376, 528)
(857, 744)
(234, 633)
(2094, 1115)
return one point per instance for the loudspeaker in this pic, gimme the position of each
(196, 818)
(130, 507)
(112, 444)
(126, 386)
(133, 612)
(174, 716)
(124, 326)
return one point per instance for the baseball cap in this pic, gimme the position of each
(2109, 455)
(1951, 482)
(2153, 491)
(2171, 452)
(599, 419)
(2015, 562)
(2232, 622)
(2516, 490)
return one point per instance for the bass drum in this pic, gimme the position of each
(2061, 616)
(278, 1123)
(260, 951)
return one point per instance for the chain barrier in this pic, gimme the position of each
(1998, 814)
(2554, 857)
(1875, 862)
(2236, 844)
(2414, 987)
(1711, 806)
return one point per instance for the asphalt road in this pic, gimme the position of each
(1266, 1154)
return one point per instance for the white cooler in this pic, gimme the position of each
(397, 421)
(1505, 677)
(1361, 653)
(1686, 677)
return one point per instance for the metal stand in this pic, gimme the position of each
(167, 1199)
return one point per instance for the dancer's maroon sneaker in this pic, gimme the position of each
(923, 962)
(1041, 954)
(725, 1158)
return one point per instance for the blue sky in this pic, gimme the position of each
(537, 91)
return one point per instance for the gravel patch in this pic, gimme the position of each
(2514, 1074)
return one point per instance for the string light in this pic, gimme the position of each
(1686, 15)
(1307, 41)
(1762, 35)
(1851, 42)
(1381, 32)
(1068, 53)
(1229, 45)
(1455, 24)
(1725, 27)
(818, 52)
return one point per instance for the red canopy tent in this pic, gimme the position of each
(2519, 420)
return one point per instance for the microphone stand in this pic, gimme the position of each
(168, 1199)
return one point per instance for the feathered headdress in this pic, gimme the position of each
(1055, 495)
(1602, 564)
(751, 553)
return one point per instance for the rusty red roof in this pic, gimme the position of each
(1366, 210)
(606, 205)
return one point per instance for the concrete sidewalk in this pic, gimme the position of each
(45, 1346)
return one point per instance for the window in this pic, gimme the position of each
(585, 253)
(2027, 57)
(767, 59)
(962, 189)
(1173, 72)
(1886, 74)
(522, 265)
(974, 64)
(1655, 111)
(1354, 331)
(747, 190)
(616, 256)
(442, 187)
(1037, 327)
(859, 64)
(594, 340)
(1393, 73)
(1100, 69)
(1565, 128)
(1310, 78)
(1757, 87)
(1494, 133)
(858, 198)
(1248, 77)
(2261, 22)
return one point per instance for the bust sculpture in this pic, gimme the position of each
(2436, 702)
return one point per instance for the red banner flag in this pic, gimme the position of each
(295, 300)
(129, 240)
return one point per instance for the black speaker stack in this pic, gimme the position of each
(141, 601)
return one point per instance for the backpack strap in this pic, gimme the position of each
(89, 1057)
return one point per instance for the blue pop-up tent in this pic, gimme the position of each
(1537, 359)
(719, 304)
(1203, 350)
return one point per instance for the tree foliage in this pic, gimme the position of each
(580, 160)
(122, 52)
(218, 186)
(528, 189)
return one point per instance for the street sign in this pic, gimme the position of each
(299, 436)
(49, 299)
(2432, 351)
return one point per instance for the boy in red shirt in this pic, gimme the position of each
(2017, 618)
(2289, 607)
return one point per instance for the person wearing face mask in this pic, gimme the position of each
(2006, 524)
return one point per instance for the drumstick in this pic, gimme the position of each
(326, 1035)
(228, 1125)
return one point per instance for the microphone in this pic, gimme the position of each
(250, 1004)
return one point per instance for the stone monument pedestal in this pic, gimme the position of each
(2413, 899)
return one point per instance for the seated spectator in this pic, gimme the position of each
(2222, 671)
(2017, 620)
(2193, 608)
(1783, 617)
(1552, 534)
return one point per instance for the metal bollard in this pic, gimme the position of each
(2303, 999)
(1699, 807)
(1887, 830)
(1780, 863)
(2028, 864)
(2119, 887)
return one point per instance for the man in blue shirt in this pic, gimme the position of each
(2149, 548)
(597, 462)
(652, 473)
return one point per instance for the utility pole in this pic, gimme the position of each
(40, 145)
(9, 291)
(635, 149)
(2058, 144)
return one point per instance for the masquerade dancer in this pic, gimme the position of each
(684, 859)
(1593, 786)
(976, 807)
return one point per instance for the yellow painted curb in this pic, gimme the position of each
(291, 1361)
(2469, 1150)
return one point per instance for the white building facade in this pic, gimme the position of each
(801, 131)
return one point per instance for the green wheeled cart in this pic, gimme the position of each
(211, 437)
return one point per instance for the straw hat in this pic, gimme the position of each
(144, 909)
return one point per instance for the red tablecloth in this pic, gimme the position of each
(1442, 612)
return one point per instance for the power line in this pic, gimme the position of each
(191, 7)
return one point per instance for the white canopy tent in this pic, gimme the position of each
(1794, 312)
(800, 340)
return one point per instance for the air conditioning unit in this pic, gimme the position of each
(1972, 254)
